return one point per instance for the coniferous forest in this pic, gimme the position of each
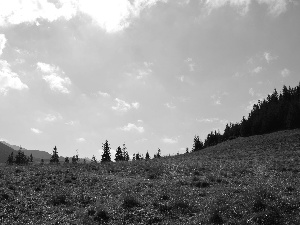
(279, 111)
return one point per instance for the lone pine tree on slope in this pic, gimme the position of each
(54, 157)
(119, 155)
(106, 152)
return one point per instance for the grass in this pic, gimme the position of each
(251, 180)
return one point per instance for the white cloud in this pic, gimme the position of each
(80, 140)
(114, 15)
(140, 121)
(72, 123)
(36, 131)
(170, 105)
(241, 5)
(121, 106)
(208, 120)
(3, 41)
(9, 79)
(52, 75)
(212, 120)
(135, 105)
(257, 69)
(285, 72)
(251, 91)
(103, 94)
(275, 7)
(131, 126)
(52, 118)
(170, 140)
(17, 12)
(269, 58)
(191, 64)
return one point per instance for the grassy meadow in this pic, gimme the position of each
(252, 180)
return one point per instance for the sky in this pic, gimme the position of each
(148, 73)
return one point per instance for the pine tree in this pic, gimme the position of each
(106, 152)
(187, 150)
(158, 154)
(67, 160)
(198, 144)
(94, 159)
(119, 155)
(147, 156)
(74, 159)
(21, 158)
(54, 157)
(125, 153)
(42, 161)
(10, 159)
(133, 157)
(31, 158)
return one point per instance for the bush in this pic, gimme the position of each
(130, 202)
(60, 199)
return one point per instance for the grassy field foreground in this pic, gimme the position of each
(251, 180)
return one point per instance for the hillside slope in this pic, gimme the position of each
(5, 151)
(254, 180)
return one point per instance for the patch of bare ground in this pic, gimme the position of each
(252, 180)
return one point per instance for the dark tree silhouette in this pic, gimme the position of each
(21, 158)
(106, 152)
(31, 158)
(276, 112)
(147, 156)
(119, 155)
(67, 160)
(54, 158)
(10, 159)
(198, 144)
(125, 153)
(94, 159)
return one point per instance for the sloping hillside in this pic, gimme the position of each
(5, 151)
(254, 180)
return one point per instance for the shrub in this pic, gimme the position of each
(59, 199)
(130, 202)
(101, 215)
(216, 218)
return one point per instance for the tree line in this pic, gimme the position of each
(279, 111)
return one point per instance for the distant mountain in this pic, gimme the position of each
(5, 151)
(37, 154)
(7, 148)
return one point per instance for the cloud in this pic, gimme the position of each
(140, 121)
(191, 65)
(170, 105)
(123, 106)
(29, 11)
(103, 94)
(112, 15)
(9, 79)
(257, 69)
(52, 118)
(218, 97)
(212, 120)
(36, 131)
(72, 123)
(3, 41)
(275, 7)
(170, 140)
(80, 140)
(135, 105)
(241, 5)
(251, 91)
(52, 75)
(285, 72)
(131, 126)
(269, 58)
